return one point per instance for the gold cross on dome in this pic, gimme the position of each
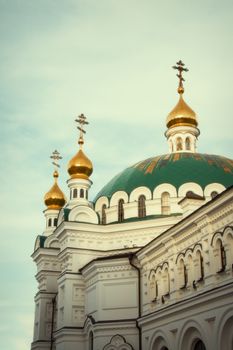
(180, 67)
(82, 121)
(56, 157)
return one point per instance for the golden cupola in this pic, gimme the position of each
(182, 114)
(54, 198)
(80, 166)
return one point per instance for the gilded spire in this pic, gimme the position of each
(80, 166)
(182, 114)
(54, 198)
(180, 67)
(81, 120)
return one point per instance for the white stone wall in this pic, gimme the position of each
(199, 307)
(99, 293)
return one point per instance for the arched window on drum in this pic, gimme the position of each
(75, 193)
(104, 206)
(121, 210)
(165, 204)
(187, 144)
(141, 206)
(179, 145)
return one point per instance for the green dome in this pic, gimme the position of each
(175, 169)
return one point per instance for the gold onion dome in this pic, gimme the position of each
(182, 114)
(80, 167)
(54, 198)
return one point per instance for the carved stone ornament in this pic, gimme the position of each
(118, 343)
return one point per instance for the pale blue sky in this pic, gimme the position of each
(110, 60)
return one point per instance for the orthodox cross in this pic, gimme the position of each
(82, 121)
(180, 67)
(56, 157)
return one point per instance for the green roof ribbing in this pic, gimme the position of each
(175, 169)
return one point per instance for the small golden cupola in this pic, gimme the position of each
(182, 121)
(80, 166)
(54, 198)
(182, 114)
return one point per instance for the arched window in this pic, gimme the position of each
(141, 206)
(190, 271)
(166, 282)
(179, 146)
(50, 222)
(55, 222)
(229, 248)
(104, 206)
(82, 193)
(183, 274)
(153, 288)
(75, 193)
(222, 255)
(199, 345)
(200, 267)
(187, 144)
(213, 194)
(120, 210)
(91, 341)
(165, 203)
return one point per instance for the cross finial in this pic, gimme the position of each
(180, 67)
(56, 157)
(82, 121)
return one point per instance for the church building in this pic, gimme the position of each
(146, 265)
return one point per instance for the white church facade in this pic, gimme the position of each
(148, 265)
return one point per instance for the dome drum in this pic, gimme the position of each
(169, 176)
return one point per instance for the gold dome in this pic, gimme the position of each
(54, 198)
(181, 115)
(80, 167)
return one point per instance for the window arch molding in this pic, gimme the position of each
(160, 340)
(100, 201)
(190, 186)
(142, 190)
(117, 196)
(190, 332)
(165, 187)
(228, 230)
(217, 235)
(224, 335)
(213, 187)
